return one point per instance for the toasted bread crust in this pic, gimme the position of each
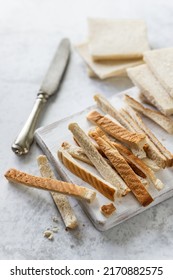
(151, 150)
(126, 173)
(163, 121)
(108, 209)
(128, 155)
(98, 161)
(49, 184)
(98, 183)
(61, 200)
(115, 130)
(76, 152)
(151, 136)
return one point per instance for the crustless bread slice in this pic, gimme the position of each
(142, 77)
(160, 62)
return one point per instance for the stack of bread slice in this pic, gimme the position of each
(113, 46)
(155, 79)
(123, 150)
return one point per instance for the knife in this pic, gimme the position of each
(48, 87)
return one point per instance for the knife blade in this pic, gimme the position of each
(49, 86)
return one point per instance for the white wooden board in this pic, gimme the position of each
(50, 138)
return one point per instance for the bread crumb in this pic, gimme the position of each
(48, 234)
(55, 229)
(107, 209)
(55, 219)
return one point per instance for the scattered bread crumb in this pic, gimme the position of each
(55, 229)
(107, 209)
(55, 219)
(48, 234)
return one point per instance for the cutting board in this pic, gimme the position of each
(50, 138)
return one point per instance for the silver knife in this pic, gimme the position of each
(49, 86)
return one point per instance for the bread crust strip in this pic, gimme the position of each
(61, 200)
(117, 131)
(98, 161)
(126, 172)
(163, 121)
(130, 157)
(152, 137)
(49, 184)
(98, 183)
(150, 148)
(107, 108)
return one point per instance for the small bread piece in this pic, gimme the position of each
(151, 136)
(117, 38)
(48, 184)
(108, 209)
(160, 62)
(129, 157)
(105, 69)
(151, 164)
(151, 150)
(61, 201)
(142, 77)
(117, 131)
(126, 172)
(165, 122)
(98, 161)
(98, 183)
(76, 152)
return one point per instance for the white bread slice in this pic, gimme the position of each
(117, 38)
(117, 131)
(105, 69)
(125, 172)
(98, 161)
(129, 157)
(91, 73)
(160, 62)
(151, 136)
(165, 122)
(151, 150)
(95, 181)
(142, 77)
(48, 184)
(61, 200)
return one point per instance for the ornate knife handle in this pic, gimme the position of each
(24, 140)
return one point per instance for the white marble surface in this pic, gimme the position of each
(29, 34)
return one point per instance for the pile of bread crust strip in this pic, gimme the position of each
(121, 148)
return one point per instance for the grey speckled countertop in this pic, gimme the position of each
(29, 34)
